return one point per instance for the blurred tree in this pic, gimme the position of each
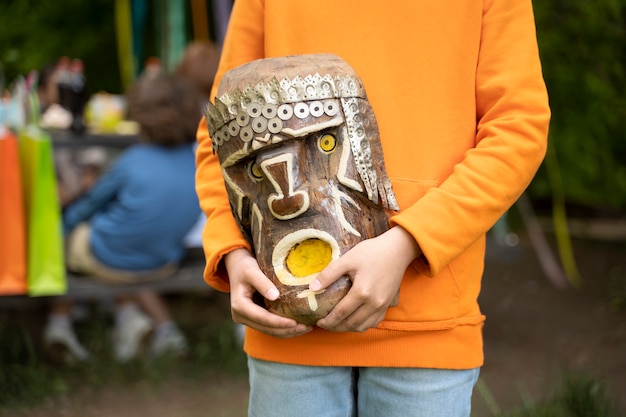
(582, 45)
(583, 50)
(35, 33)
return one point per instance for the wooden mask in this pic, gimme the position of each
(300, 153)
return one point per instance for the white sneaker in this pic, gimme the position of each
(169, 341)
(130, 334)
(62, 345)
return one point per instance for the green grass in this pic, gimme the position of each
(579, 395)
(28, 378)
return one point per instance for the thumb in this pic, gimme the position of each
(244, 273)
(264, 285)
(272, 293)
(328, 275)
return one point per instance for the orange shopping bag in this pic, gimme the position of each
(12, 226)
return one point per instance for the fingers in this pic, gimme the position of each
(369, 298)
(260, 319)
(330, 274)
(245, 311)
(376, 269)
(259, 282)
(355, 314)
(359, 321)
(246, 279)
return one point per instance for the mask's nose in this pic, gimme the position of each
(286, 202)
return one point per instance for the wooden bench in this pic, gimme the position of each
(188, 278)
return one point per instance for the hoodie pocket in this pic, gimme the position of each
(440, 302)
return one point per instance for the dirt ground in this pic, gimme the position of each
(534, 334)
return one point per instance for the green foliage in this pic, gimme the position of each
(36, 33)
(579, 395)
(582, 45)
(22, 381)
(584, 396)
(28, 378)
(583, 51)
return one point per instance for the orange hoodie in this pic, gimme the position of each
(463, 116)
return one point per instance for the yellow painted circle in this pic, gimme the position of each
(327, 143)
(308, 257)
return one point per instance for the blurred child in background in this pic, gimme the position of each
(130, 225)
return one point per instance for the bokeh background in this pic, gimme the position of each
(552, 350)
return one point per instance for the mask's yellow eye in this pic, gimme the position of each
(327, 143)
(254, 171)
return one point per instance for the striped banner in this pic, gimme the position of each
(171, 18)
(200, 20)
(126, 57)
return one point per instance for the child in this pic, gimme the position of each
(130, 226)
(463, 116)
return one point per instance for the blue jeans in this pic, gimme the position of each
(280, 390)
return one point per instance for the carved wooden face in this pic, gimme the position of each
(304, 170)
(302, 204)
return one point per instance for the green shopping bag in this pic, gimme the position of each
(45, 252)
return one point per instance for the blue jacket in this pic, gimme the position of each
(141, 208)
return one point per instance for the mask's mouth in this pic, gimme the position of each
(301, 255)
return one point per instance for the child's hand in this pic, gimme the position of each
(245, 278)
(376, 267)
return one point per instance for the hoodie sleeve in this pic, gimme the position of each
(512, 116)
